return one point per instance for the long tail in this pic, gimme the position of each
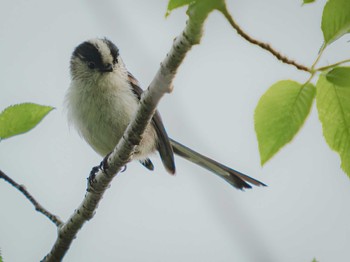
(235, 178)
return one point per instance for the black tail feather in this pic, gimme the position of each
(235, 178)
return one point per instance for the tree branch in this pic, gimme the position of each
(32, 200)
(161, 84)
(323, 68)
(263, 45)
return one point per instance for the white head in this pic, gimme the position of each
(95, 58)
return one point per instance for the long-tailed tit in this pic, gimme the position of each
(101, 101)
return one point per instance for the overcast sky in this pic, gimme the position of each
(152, 216)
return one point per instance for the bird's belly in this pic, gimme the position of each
(102, 123)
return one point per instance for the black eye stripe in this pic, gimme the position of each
(113, 48)
(89, 53)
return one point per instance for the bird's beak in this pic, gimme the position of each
(106, 68)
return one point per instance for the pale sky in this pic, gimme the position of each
(152, 216)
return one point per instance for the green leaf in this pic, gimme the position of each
(201, 6)
(279, 115)
(308, 1)
(333, 105)
(339, 76)
(173, 4)
(18, 119)
(335, 20)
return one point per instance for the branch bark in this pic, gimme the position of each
(263, 45)
(38, 207)
(161, 84)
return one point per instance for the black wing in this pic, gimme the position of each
(164, 147)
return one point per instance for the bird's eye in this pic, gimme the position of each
(91, 65)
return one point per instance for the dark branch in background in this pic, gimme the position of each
(32, 200)
(263, 45)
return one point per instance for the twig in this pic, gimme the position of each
(161, 84)
(38, 207)
(263, 45)
(323, 68)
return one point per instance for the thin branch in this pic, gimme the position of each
(263, 45)
(323, 68)
(320, 53)
(161, 84)
(38, 207)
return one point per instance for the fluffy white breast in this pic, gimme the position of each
(101, 110)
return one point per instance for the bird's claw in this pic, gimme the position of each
(92, 176)
(103, 167)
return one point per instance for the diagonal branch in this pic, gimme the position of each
(161, 84)
(35, 203)
(263, 45)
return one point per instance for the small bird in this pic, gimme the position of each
(101, 101)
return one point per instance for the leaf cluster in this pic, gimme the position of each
(283, 109)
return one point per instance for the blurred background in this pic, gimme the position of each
(151, 216)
